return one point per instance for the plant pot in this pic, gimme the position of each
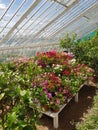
(55, 109)
(45, 107)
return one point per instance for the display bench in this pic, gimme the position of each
(55, 115)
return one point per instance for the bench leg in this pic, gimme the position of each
(55, 121)
(76, 97)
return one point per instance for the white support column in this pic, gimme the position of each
(55, 122)
(76, 97)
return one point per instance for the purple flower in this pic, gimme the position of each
(45, 90)
(49, 95)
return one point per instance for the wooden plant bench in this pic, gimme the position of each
(54, 115)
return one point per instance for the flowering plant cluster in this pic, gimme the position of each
(53, 77)
(47, 59)
(50, 78)
(61, 77)
(51, 89)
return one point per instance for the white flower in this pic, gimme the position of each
(73, 61)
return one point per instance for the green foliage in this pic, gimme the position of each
(22, 116)
(68, 41)
(17, 108)
(93, 58)
(85, 51)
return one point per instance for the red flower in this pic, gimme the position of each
(66, 72)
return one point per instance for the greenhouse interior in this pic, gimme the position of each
(48, 64)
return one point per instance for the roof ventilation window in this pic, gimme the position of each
(65, 3)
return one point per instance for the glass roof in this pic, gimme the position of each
(26, 23)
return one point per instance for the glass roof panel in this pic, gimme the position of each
(26, 22)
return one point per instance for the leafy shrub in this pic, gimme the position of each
(85, 51)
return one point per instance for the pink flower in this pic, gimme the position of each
(70, 56)
(58, 101)
(36, 101)
(49, 95)
(60, 89)
(56, 93)
(66, 91)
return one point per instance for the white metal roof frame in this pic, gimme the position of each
(45, 21)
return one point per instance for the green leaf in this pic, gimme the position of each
(23, 92)
(2, 95)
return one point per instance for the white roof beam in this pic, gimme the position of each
(61, 3)
(48, 32)
(60, 15)
(13, 15)
(57, 17)
(7, 9)
(45, 17)
(87, 32)
(84, 23)
(24, 47)
(28, 21)
(20, 20)
(78, 17)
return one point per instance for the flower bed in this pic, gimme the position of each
(50, 79)
(60, 79)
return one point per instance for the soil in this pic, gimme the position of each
(73, 112)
